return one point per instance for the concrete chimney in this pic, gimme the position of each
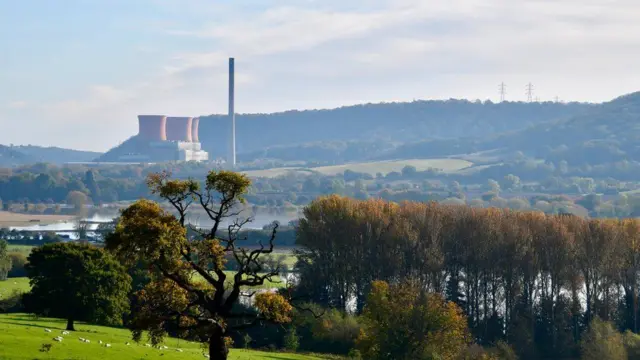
(152, 127)
(179, 128)
(194, 129)
(231, 159)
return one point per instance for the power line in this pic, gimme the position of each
(529, 91)
(503, 91)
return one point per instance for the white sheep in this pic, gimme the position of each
(58, 338)
(81, 339)
(179, 350)
(65, 333)
(147, 345)
(100, 342)
(87, 341)
(127, 343)
(164, 347)
(107, 345)
(47, 330)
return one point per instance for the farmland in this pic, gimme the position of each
(14, 219)
(372, 168)
(22, 337)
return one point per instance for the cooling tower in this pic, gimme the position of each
(179, 129)
(152, 127)
(194, 129)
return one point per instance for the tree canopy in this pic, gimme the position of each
(190, 293)
(77, 282)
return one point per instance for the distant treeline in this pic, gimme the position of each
(528, 278)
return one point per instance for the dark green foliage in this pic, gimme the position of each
(77, 282)
(18, 262)
(5, 260)
(291, 340)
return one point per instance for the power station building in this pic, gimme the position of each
(162, 138)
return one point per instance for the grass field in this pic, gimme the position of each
(8, 286)
(23, 249)
(22, 337)
(14, 219)
(384, 167)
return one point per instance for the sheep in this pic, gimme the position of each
(179, 350)
(164, 347)
(147, 345)
(58, 338)
(107, 345)
(100, 342)
(87, 341)
(81, 339)
(47, 330)
(65, 333)
(127, 343)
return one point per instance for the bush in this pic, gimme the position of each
(11, 303)
(602, 342)
(291, 340)
(18, 261)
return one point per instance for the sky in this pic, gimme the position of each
(76, 73)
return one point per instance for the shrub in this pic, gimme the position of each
(291, 340)
(12, 303)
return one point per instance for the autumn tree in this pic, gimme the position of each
(404, 322)
(190, 293)
(77, 282)
(602, 342)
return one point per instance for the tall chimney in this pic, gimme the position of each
(231, 159)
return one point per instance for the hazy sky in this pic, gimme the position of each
(75, 73)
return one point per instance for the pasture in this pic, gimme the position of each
(372, 168)
(10, 285)
(22, 249)
(23, 336)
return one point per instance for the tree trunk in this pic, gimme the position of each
(70, 325)
(218, 349)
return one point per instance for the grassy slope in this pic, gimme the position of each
(22, 336)
(7, 287)
(384, 167)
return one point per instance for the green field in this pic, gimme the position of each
(22, 337)
(7, 287)
(23, 249)
(384, 167)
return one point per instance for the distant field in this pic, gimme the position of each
(14, 219)
(22, 336)
(8, 286)
(23, 249)
(384, 167)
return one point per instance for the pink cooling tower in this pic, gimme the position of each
(152, 127)
(194, 129)
(179, 128)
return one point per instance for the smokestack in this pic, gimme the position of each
(232, 114)
(152, 127)
(179, 128)
(194, 129)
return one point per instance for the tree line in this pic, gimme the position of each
(531, 279)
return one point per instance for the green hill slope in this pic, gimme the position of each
(22, 337)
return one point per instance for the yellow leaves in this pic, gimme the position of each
(230, 185)
(147, 232)
(404, 321)
(274, 307)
